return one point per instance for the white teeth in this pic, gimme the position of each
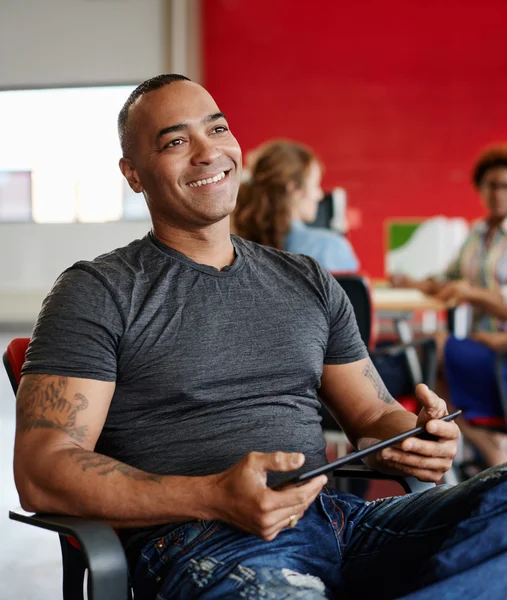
(215, 179)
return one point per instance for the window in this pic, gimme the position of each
(15, 196)
(59, 156)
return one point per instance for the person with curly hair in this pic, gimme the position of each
(280, 197)
(478, 276)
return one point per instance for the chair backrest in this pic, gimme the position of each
(14, 358)
(357, 288)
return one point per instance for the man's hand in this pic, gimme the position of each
(456, 292)
(497, 341)
(242, 498)
(424, 459)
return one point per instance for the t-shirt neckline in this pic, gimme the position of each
(209, 270)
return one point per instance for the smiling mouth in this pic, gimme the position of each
(209, 181)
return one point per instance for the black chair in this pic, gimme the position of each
(357, 288)
(93, 545)
(86, 544)
(325, 212)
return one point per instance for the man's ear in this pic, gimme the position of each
(130, 174)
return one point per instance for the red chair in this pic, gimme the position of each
(85, 544)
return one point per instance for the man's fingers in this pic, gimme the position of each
(277, 461)
(426, 448)
(291, 502)
(396, 458)
(446, 430)
(298, 495)
(284, 522)
(437, 449)
(434, 405)
(443, 430)
(421, 474)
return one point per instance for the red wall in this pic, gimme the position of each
(396, 96)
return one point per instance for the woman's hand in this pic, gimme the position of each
(456, 292)
(397, 280)
(427, 460)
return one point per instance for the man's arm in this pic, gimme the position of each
(59, 420)
(360, 402)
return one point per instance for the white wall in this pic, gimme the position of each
(32, 255)
(66, 42)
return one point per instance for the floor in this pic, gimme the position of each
(29, 557)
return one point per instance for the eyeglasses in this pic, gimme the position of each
(492, 186)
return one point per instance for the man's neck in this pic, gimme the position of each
(210, 246)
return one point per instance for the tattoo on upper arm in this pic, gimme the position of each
(103, 465)
(44, 405)
(371, 373)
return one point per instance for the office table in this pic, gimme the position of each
(398, 300)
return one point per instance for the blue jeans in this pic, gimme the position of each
(445, 543)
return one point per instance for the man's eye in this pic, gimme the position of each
(220, 129)
(173, 143)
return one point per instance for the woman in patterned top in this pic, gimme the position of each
(478, 276)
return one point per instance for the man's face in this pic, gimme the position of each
(184, 158)
(493, 190)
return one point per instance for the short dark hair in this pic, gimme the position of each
(490, 158)
(155, 83)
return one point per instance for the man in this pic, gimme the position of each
(167, 380)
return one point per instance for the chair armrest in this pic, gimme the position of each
(101, 547)
(407, 482)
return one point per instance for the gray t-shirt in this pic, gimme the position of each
(209, 365)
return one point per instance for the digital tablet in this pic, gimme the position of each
(419, 432)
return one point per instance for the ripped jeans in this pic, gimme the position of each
(445, 543)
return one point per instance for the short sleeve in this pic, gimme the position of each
(344, 343)
(77, 331)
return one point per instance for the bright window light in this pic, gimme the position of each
(67, 140)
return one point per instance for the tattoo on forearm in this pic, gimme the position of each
(370, 372)
(44, 405)
(103, 465)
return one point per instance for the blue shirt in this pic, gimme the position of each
(333, 251)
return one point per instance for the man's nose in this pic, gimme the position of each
(205, 152)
